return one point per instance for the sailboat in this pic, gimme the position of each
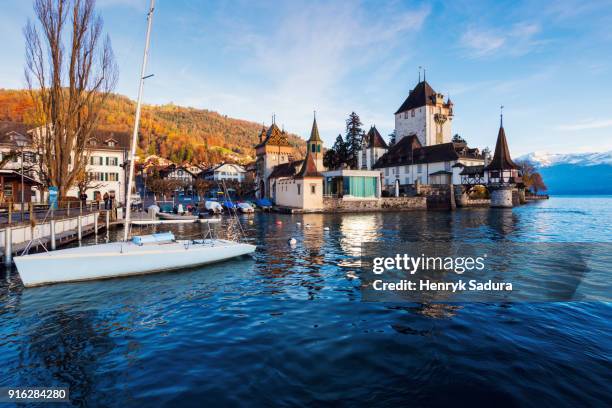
(141, 255)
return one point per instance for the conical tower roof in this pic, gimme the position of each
(501, 157)
(314, 133)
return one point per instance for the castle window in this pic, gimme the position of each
(387, 171)
(298, 187)
(405, 115)
(313, 189)
(419, 168)
(412, 111)
(318, 148)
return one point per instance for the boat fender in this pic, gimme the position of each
(292, 241)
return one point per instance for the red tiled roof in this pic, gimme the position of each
(309, 168)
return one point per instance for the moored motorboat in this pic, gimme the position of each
(171, 216)
(228, 205)
(245, 208)
(213, 207)
(264, 204)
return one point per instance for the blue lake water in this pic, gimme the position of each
(288, 327)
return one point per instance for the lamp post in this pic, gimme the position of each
(21, 141)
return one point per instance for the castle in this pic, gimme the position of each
(423, 153)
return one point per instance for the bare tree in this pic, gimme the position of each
(70, 71)
(85, 181)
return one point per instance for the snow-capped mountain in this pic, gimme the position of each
(540, 160)
(576, 173)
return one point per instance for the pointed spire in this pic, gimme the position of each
(424, 73)
(314, 133)
(501, 156)
(420, 73)
(501, 116)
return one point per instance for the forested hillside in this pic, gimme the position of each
(178, 133)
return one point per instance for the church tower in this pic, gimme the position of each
(315, 146)
(425, 114)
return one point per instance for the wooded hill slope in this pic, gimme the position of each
(178, 133)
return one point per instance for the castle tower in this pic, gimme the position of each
(502, 173)
(274, 149)
(425, 114)
(315, 146)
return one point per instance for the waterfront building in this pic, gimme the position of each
(273, 150)
(425, 114)
(180, 173)
(409, 162)
(224, 171)
(373, 147)
(304, 190)
(299, 184)
(13, 138)
(352, 184)
(106, 153)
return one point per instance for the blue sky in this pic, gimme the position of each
(549, 63)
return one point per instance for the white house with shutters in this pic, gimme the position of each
(225, 171)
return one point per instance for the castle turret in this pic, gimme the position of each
(315, 146)
(502, 173)
(425, 114)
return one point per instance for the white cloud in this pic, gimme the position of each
(586, 125)
(518, 40)
(308, 60)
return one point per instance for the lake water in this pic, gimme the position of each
(288, 327)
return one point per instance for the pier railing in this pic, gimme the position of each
(16, 214)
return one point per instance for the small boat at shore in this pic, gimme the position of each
(213, 207)
(245, 208)
(177, 217)
(264, 204)
(143, 255)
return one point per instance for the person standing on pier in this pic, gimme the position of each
(105, 198)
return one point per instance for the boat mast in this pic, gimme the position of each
(132, 156)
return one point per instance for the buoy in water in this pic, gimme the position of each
(326, 229)
(298, 224)
(292, 241)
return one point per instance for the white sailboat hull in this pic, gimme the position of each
(119, 259)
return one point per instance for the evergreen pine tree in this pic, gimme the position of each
(354, 135)
(392, 138)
